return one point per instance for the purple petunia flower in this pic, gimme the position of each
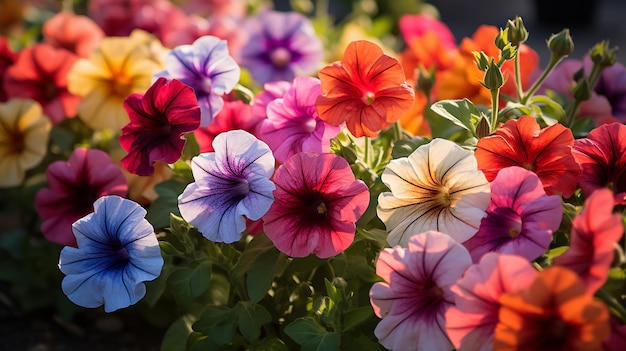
(231, 184)
(282, 44)
(292, 123)
(520, 218)
(206, 66)
(117, 251)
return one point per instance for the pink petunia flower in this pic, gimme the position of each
(158, 121)
(74, 33)
(292, 123)
(40, 73)
(412, 26)
(270, 92)
(73, 186)
(234, 115)
(415, 295)
(7, 58)
(602, 157)
(595, 231)
(317, 202)
(470, 323)
(520, 218)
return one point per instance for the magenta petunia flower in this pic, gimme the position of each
(470, 323)
(231, 185)
(413, 26)
(40, 73)
(292, 123)
(234, 115)
(158, 120)
(7, 58)
(207, 67)
(520, 218)
(73, 186)
(281, 45)
(317, 203)
(270, 92)
(595, 231)
(415, 294)
(602, 157)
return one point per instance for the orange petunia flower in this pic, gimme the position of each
(463, 79)
(547, 152)
(414, 120)
(366, 89)
(553, 313)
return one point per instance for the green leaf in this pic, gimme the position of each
(404, 148)
(175, 337)
(304, 329)
(556, 252)
(257, 246)
(458, 112)
(251, 318)
(189, 283)
(332, 291)
(269, 344)
(326, 342)
(218, 323)
(15, 242)
(357, 316)
(159, 211)
(261, 275)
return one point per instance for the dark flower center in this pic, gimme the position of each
(241, 188)
(280, 57)
(17, 142)
(50, 91)
(118, 255)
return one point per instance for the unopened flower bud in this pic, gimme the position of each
(483, 128)
(508, 52)
(602, 55)
(582, 90)
(517, 32)
(493, 77)
(502, 38)
(561, 44)
(580, 74)
(426, 80)
(482, 61)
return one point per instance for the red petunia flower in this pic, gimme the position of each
(158, 121)
(367, 90)
(602, 157)
(75, 33)
(547, 152)
(7, 58)
(40, 73)
(316, 204)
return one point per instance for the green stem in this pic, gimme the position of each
(67, 5)
(538, 82)
(397, 131)
(495, 97)
(366, 153)
(518, 77)
(612, 303)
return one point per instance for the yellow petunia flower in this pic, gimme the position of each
(24, 134)
(120, 66)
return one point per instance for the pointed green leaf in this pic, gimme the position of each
(251, 318)
(458, 112)
(261, 275)
(304, 329)
(189, 283)
(175, 337)
(218, 323)
(159, 211)
(357, 316)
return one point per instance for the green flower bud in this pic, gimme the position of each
(482, 61)
(517, 32)
(493, 77)
(580, 74)
(602, 55)
(582, 90)
(502, 38)
(508, 52)
(561, 44)
(483, 128)
(425, 80)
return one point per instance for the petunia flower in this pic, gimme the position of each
(367, 90)
(595, 231)
(73, 186)
(206, 67)
(617, 340)
(24, 135)
(7, 58)
(413, 26)
(117, 252)
(280, 46)
(120, 66)
(471, 321)
(317, 203)
(437, 187)
(40, 73)
(234, 115)
(547, 152)
(520, 218)
(74, 33)
(293, 125)
(231, 184)
(415, 295)
(158, 120)
(602, 157)
(553, 313)
(270, 92)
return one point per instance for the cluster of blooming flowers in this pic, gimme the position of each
(465, 226)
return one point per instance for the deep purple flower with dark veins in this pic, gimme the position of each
(231, 184)
(281, 45)
(206, 66)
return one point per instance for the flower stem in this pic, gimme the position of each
(367, 152)
(518, 77)
(495, 96)
(397, 131)
(538, 82)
